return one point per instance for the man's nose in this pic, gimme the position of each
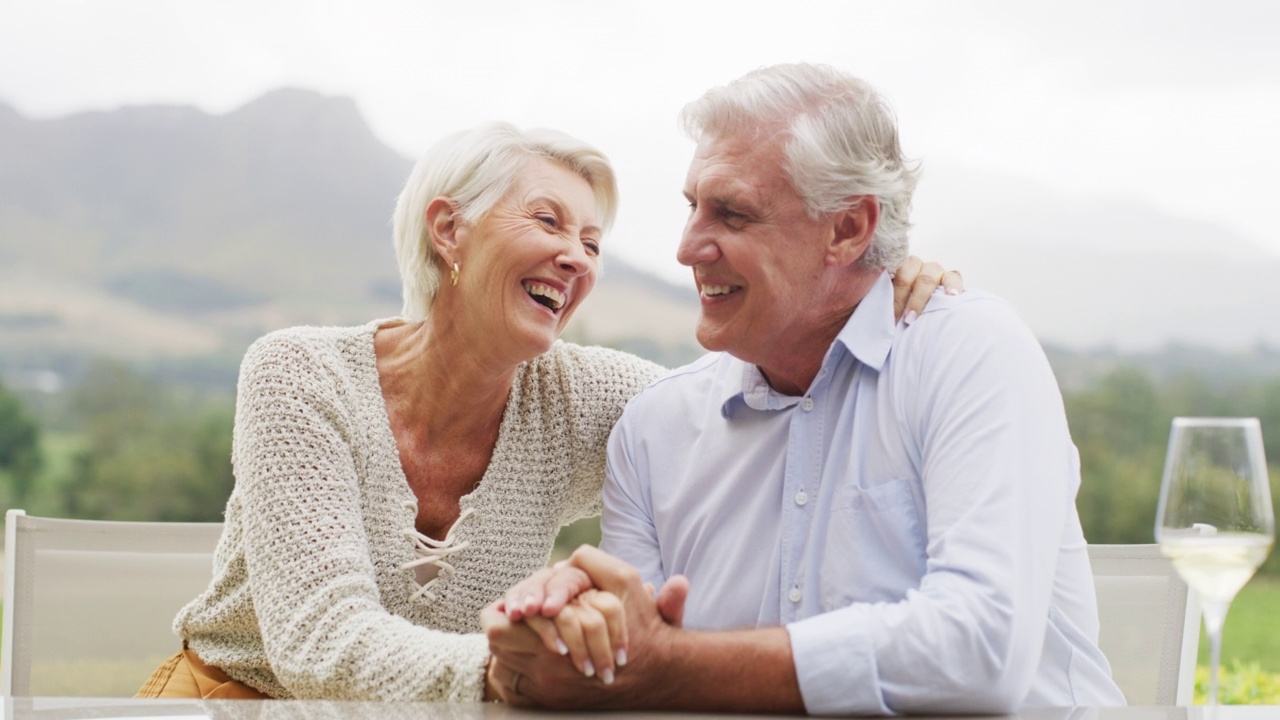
(698, 244)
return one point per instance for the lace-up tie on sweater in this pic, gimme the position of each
(434, 552)
(318, 515)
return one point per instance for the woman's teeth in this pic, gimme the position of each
(545, 294)
(716, 289)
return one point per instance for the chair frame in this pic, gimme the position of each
(76, 535)
(1181, 635)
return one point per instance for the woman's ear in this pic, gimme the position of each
(442, 224)
(853, 229)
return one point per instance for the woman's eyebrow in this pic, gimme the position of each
(562, 210)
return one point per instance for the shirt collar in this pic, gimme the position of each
(867, 335)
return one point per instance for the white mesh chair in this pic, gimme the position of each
(1150, 623)
(89, 605)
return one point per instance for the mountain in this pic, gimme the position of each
(167, 231)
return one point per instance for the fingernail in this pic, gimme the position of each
(952, 291)
(528, 602)
(620, 657)
(910, 317)
(588, 668)
(607, 676)
(561, 647)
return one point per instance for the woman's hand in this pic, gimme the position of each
(545, 592)
(591, 629)
(914, 282)
(572, 618)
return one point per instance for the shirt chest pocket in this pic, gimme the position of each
(874, 549)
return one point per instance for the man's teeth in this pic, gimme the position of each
(717, 289)
(554, 299)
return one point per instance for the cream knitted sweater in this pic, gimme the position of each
(310, 595)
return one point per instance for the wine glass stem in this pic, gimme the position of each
(1215, 616)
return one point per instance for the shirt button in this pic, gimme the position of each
(801, 498)
(807, 404)
(794, 595)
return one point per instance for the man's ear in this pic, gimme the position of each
(852, 231)
(442, 225)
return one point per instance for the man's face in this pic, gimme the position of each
(757, 256)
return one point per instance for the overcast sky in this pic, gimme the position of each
(1174, 102)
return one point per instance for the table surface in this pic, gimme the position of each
(50, 708)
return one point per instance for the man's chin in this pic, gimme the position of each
(712, 338)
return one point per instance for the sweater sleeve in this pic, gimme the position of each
(599, 384)
(323, 626)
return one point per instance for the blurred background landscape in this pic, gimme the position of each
(1115, 182)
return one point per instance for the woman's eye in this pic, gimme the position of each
(592, 247)
(548, 220)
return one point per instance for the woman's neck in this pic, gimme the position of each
(448, 387)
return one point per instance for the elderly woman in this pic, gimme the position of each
(395, 478)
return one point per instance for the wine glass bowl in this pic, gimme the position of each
(1215, 521)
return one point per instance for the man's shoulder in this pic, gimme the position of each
(688, 383)
(974, 337)
(973, 317)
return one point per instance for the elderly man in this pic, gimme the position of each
(873, 517)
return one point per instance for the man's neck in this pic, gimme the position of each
(791, 370)
(791, 366)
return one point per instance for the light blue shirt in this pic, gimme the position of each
(910, 520)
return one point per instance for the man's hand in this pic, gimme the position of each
(914, 282)
(544, 678)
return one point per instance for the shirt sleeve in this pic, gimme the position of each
(599, 383)
(979, 403)
(323, 626)
(626, 526)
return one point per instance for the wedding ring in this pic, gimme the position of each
(515, 684)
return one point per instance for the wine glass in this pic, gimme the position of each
(1215, 520)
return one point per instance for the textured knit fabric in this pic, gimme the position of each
(311, 597)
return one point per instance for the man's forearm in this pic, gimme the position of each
(725, 671)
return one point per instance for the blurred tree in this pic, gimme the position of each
(1120, 428)
(147, 456)
(20, 455)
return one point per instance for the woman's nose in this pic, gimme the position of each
(574, 259)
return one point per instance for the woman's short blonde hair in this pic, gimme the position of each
(476, 168)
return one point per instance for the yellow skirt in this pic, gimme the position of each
(186, 676)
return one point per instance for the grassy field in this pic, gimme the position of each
(1250, 649)
(1252, 632)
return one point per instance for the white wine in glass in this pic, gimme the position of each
(1215, 520)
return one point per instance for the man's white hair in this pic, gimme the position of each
(842, 142)
(476, 168)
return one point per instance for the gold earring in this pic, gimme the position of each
(453, 275)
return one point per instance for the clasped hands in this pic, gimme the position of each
(587, 632)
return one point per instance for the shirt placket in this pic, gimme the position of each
(800, 486)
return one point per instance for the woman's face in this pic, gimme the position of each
(529, 263)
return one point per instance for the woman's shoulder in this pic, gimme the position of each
(304, 347)
(599, 366)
